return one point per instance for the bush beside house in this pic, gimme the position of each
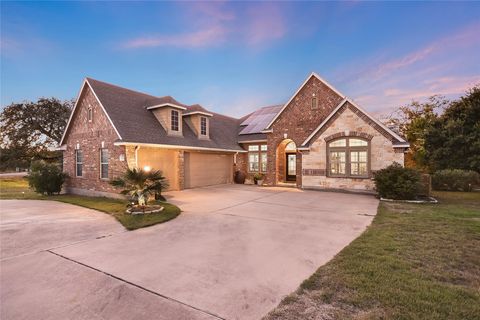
(398, 183)
(455, 180)
(46, 178)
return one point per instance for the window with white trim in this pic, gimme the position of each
(104, 163)
(174, 120)
(78, 163)
(90, 114)
(348, 157)
(257, 158)
(203, 126)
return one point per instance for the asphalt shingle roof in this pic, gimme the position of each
(127, 110)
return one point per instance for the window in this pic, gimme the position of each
(78, 163)
(104, 163)
(314, 103)
(90, 114)
(253, 162)
(263, 167)
(174, 120)
(203, 126)
(257, 158)
(348, 157)
(291, 146)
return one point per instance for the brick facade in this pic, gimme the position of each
(89, 135)
(297, 121)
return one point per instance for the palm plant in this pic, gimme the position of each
(140, 184)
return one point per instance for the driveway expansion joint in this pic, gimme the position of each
(137, 286)
(248, 201)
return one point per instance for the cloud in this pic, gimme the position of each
(22, 45)
(212, 23)
(448, 66)
(202, 38)
(265, 22)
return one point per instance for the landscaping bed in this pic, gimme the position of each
(17, 188)
(416, 261)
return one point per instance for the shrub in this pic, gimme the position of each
(397, 182)
(46, 178)
(258, 176)
(141, 185)
(455, 180)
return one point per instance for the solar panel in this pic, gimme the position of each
(259, 120)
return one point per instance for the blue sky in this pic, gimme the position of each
(235, 57)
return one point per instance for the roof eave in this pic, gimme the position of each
(171, 146)
(172, 105)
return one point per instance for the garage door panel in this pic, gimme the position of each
(206, 169)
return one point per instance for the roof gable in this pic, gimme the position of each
(399, 140)
(128, 114)
(75, 107)
(313, 74)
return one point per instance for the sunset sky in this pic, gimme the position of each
(235, 57)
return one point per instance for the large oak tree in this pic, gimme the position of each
(30, 130)
(453, 140)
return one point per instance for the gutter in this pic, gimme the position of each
(169, 146)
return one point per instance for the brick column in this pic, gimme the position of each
(181, 170)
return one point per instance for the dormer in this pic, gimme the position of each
(199, 122)
(170, 117)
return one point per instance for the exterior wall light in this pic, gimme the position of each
(147, 168)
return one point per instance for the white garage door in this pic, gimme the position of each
(206, 169)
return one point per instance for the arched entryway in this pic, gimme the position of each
(286, 161)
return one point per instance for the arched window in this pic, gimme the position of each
(291, 146)
(348, 157)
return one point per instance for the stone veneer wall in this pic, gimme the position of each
(89, 136)
(297, 122)
(347, 123)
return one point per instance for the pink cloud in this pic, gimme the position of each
(265, 22)
(202, 38)
(448, 66)
(212, 10)
(214, 23)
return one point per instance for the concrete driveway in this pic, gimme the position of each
(234, 253)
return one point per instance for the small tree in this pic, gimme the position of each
(140, 184)
(46, 178)
(397, 182)
(414, 121)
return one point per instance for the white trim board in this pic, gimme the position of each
(170, 146)
(313, 74)
(85, 82)
(197, 112)
(253, 141)
(166, 105)
(396, 136)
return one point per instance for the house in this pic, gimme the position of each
(319, 139)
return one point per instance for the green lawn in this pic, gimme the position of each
(17, 188)
(414, 262)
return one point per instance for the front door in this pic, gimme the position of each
(291, 166)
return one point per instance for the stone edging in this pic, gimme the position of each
(144, 212)
(430, 200)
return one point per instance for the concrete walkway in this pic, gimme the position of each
(234, 253)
